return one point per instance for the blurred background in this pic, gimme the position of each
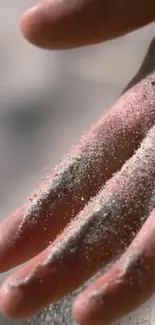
(47, 99)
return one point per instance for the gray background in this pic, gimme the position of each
(47, 99)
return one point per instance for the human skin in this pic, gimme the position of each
(54, 231)
(67, 24)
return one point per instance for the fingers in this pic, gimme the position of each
(128, 284)
(99, 233)
(80, 176)
(68, 24)
(66, 190)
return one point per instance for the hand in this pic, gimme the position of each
(95, 205)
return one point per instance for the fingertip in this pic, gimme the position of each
(32, 25)
(80, 310)
(93, 306)
(88, 309)
(60, 25)
(10, 301)
(49, 26)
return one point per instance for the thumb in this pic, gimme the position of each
(61, 24)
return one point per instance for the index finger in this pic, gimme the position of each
(68, 24)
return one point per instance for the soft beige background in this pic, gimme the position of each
(47, 99)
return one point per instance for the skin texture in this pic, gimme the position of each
(104, 184)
